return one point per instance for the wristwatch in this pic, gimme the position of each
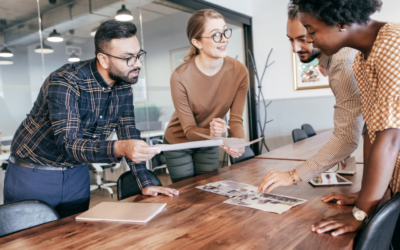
(360, 215)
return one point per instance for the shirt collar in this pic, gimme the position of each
(95, 73)
(325, 61)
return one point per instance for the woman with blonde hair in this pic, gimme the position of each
(204, 88)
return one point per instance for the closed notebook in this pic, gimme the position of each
(122, 211)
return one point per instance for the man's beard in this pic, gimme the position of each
(314, 54)
(115, 74)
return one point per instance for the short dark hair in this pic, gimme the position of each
(293, 11)
(334, 12)
(112, 29)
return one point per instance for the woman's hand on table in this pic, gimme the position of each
(234, 152)
(341, 199)
(155, 190)
(338, 224)
(276, 179)
(217, 127)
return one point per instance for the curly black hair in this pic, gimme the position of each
(334, 12)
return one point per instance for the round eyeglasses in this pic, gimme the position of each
(130, 61)
(217, 37)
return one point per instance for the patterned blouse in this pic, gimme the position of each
(378, 79)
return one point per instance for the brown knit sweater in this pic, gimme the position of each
(199, 98)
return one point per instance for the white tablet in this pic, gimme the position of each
(329, 179)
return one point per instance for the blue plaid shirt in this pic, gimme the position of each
(75, 112)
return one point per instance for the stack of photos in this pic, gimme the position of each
(247, 196)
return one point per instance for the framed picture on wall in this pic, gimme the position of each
(176, 57)
(308, 75)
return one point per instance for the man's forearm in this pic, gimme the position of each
(119, 149)
(379, 169)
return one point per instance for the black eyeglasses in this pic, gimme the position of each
(217, 37)
(131, 60)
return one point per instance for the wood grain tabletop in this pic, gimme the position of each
(197, 219)
(307, 148)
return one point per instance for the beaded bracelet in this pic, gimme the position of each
(294, 180)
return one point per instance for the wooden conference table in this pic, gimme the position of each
(197, 219)
(305, 149)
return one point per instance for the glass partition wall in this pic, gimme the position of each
(64, 33)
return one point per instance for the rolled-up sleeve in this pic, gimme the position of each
(348, 122)
(126, 130)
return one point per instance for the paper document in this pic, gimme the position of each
(122, 211)
(349, 168)
(187, 145)
(247, 196)
(230, 142)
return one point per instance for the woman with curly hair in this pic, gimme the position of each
(332, 25)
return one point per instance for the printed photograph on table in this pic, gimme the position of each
(308, 75)
(266, 202)
(176, 57)
(228, 188)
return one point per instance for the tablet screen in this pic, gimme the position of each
(329, 178)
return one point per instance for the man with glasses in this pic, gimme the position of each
(347, 116)
(78, 107)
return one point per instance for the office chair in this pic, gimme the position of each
(98, 169)
(127, 185)
(21, 215)
(158, 161)
(308, 129)
(247, 155)
(298, 135)
(378, 232)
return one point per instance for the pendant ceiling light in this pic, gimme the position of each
(5, 52)
(6, 61)
(124, 14)
(93, 32)
(46, 49)
(74, 57)
(55, 37)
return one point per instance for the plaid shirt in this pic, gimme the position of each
(72, 117)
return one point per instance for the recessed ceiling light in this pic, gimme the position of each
(5, 52)
(93, 32)
(7, 61)
(74, 57)
(46, 49)
(124, 14)
(55, 37)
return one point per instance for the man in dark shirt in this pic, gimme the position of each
(78, 107)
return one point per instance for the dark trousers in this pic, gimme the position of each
(183, 164)
(67, 191)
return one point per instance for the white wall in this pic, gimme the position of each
(389, 11)
(241, 6)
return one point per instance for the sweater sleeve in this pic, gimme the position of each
(236, 114)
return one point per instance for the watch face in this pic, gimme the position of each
(359, 215)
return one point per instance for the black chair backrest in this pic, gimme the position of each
(248, 154)
(308, 129)
(127, 185)
(20, 215)
(298, 135)
(378, 232)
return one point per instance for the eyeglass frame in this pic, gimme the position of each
(220, 37)
(129, 58)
